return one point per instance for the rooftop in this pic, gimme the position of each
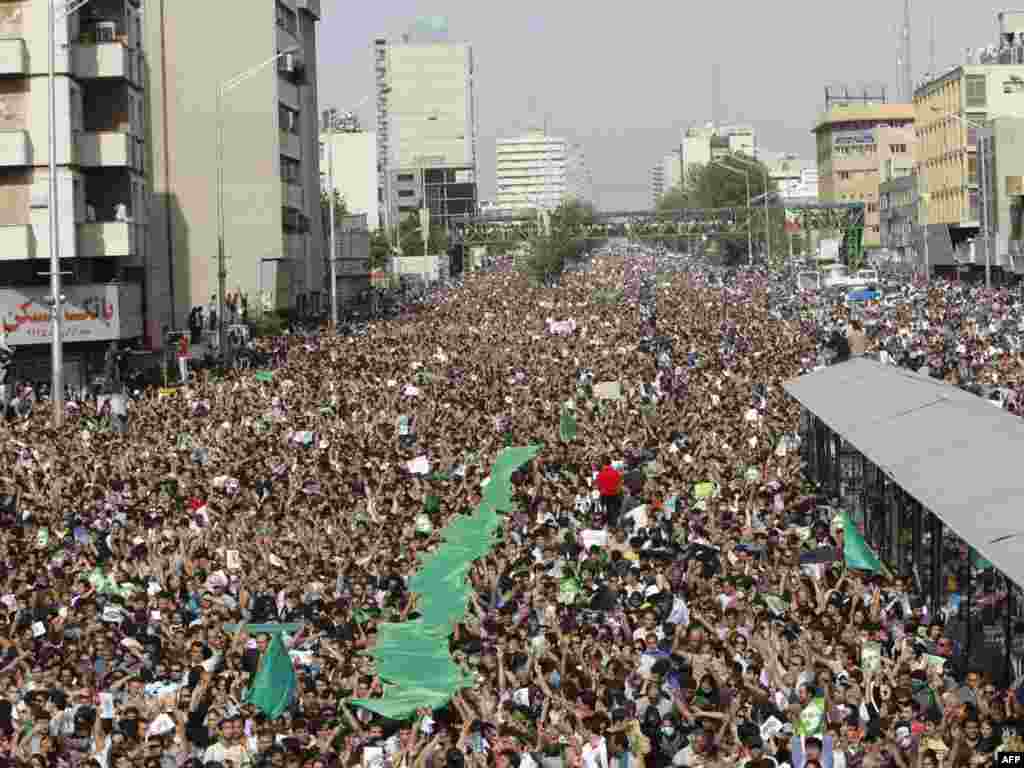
(952, 451)
(844, 113)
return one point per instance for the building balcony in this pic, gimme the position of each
(288, 94)
(293, 196)
(291, 145)
(14, 150)
(92, 61)
(294, 246)
(13, 57)
(17, 242)
(99, 239)
(311, 6)
(105, 149)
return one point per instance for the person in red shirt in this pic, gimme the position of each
(609, 485)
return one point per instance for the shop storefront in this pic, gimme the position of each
(864, 440)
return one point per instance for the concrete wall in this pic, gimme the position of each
(1008, 160)
(430, 104)
(355, 173)
(187, 60)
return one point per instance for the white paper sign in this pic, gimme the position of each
(608, 390)
(234, 560)
(593, 538)
(38, 630)
(419, 466)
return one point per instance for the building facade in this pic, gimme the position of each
(699, 146)
(794, 178)
(657, 183)
(531, 171)
(1004, 158)
(100, 207)
(898, 221)
(270, 162)
(951, 108)
(426, 128)
(854, 143)
(354, 155)
(579, 182)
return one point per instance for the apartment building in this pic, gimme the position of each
(531, 171)
(855, 141)
(354, 154)
(100, 158)
(270, 162)
(579, 181)
(426, 125)
(986, 92)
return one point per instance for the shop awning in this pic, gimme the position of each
(959, 456)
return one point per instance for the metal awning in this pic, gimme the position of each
(959, 456)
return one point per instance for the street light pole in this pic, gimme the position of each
(767, 225)
(222, 269)
(56, 308)
(330, 213)
(750, 217)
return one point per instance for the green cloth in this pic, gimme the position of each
(812, 719)
(412, 656)
(264, 376)
(274, 685)
(856, 552)
(567, 425)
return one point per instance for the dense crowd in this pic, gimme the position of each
(647, 603)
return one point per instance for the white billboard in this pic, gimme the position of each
(92, 312)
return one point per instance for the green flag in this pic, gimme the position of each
(979, 561)
(274, 686)
(856, 552)
(264, 376)
(567, 425)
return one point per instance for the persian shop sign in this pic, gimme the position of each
(853, 138)
(91, 313)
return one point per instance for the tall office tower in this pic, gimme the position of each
(100, 208)
(265, 106)
(426, 124)
(531, 171)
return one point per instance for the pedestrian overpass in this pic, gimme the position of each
(845, 220)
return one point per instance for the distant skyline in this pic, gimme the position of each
(624, 82)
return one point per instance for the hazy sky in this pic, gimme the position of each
(624, 78)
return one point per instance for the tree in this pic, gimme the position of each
(673, 199)
(411, 237)
(714, 186)
(380, 248)
(340, 209)
(549, 252)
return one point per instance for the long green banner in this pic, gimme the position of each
(412, 656)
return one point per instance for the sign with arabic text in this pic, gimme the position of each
(91, 312)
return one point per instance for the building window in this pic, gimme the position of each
(288, 119)
(844, 175)
(405, 177)
(974, 90)
(898, 149)
(286, 19)
(406, 193)
(290, 170)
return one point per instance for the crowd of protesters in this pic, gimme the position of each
(646, 605)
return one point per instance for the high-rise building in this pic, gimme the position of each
(579, 182)
(354, 154)
(426, 124)
(699, 146)
(270, 124)
(100, 206)
(531, 171)
(950, 107)
(855, 142)
(665, 175)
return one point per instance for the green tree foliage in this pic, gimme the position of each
(412, 238)
(673, 200)
(549, 252)
(340, 209)
(714, 186)
(380, 248)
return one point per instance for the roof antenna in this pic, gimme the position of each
(931, 48)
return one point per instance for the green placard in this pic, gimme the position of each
(264, 376)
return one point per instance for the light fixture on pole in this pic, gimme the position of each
(222, 274)
(982, 135)
(767, 225)
(56, 283)
(750, 215)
